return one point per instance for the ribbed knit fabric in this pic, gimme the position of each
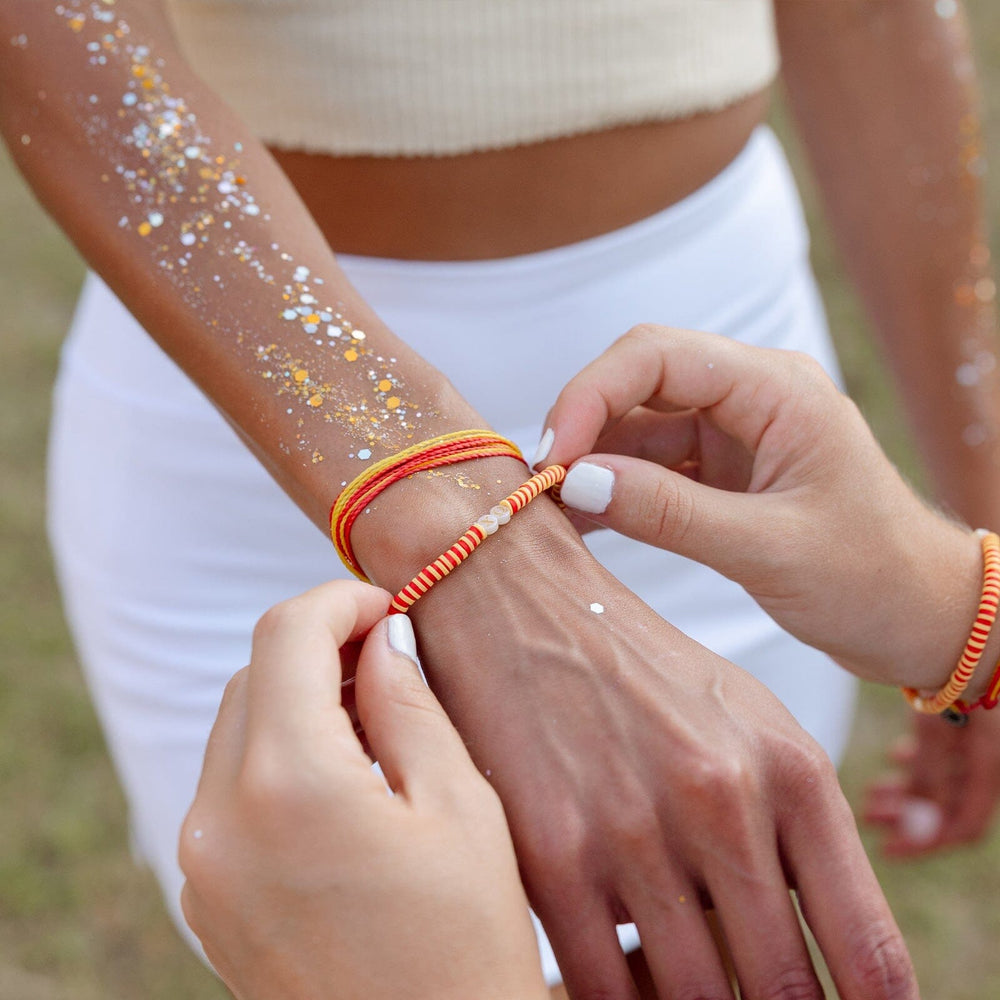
(416, 77)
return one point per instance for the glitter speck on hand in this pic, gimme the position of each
(598, 609)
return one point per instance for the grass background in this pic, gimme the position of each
(77, 918)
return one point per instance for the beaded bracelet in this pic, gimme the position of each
(446, 449)
(946, 700)
(478, 532)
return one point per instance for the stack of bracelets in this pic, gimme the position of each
(459, 446)
(948, 701)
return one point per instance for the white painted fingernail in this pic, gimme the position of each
(544, 447)
(401, 637)
(921, 820)
(588, 488)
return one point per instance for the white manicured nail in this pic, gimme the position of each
(921, 821)
(544, 447)
(588, 488)
(401, 637)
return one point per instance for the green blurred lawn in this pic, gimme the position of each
(77, 918)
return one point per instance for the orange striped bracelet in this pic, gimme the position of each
(947, 699)
(478, 532)
(446, 449)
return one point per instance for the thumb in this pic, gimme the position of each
(420, 752)
(731, 532)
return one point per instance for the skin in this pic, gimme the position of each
(884, 97)
(396, 911)
(590, 676)
(285, 773)
(751, 461)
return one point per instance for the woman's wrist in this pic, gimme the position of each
(418, 518)
(956, 569)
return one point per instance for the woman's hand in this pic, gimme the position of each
(751, 460)
(944, 789)
(644, 779)
(306, 880)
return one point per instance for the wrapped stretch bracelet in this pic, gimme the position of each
(478, 532)
(946, 701)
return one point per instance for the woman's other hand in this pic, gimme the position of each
(943, 790)
(306, 879)
(752, 461)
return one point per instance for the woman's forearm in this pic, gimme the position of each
(193, 225)
(884, 96)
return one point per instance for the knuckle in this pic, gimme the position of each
(725, 780)
(724, 796)
(882, 966)
(636, 833)
(699, 991)
(559, 849)
(265, 788)
(793, 982)
(645, 332)
(806, 768)
(668, 511)
(277, 619)
(807, 367)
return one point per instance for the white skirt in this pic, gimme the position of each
(171, 540)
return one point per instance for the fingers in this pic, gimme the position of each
(669, 510)
(679, 946)
(684, 442)
(946, 792)
(419, 750)
(761, 928)
(295, 668)
(843, 903)
(668, 368)
(586, 947)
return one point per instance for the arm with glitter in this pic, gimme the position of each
(886, 102)
(582, 720)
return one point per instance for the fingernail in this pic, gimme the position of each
(588, 488)
(399, 632)
(920, 820)
(544, 447)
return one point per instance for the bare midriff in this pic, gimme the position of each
(518, 200)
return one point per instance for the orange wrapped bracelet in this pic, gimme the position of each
(947, 699)
(478, 532)
(446, 449)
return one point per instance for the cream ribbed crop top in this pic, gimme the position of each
(412, 77)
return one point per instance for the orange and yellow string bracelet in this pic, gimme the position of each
(946, 700)
(446, 449)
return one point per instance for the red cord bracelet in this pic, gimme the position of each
(458, 446)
